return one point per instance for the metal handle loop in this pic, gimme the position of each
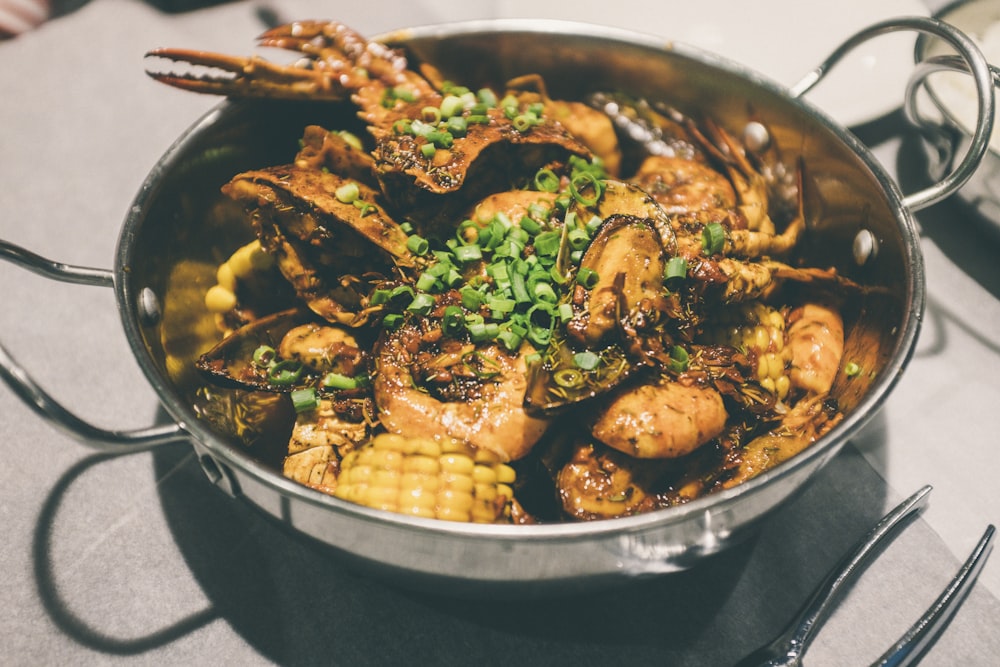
(107, 441)
(975, 63)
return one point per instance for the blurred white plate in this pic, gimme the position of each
(782, 39)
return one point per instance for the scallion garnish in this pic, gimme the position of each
(713, 238)
(304, 400)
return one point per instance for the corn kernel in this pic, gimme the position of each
(768, 384)
(240, 262)
(457, 500)
(392, 442)
(485, 492)
(417, 484)
(456, 463)
(218, 299)
(225, 277)
(423, 465)
(483, 475)
(383, 497)
(762, 367)
(761, 338)
(505, 474)
(459, 483)
(451, 514)
(782, 385)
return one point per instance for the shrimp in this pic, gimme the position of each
(662, 420)
(600, 483)
(816, 343)
(682, 185)
(805, 423)
(490, 415)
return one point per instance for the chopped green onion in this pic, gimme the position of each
(678, 359)
(565, 312)
(582, 181)
(347, 193)
(510, 340)
(350, 139)
(524, 122)
(453, 321)
(404, 93)
(547, 243)
(676, 268)
(467, 232)
(713, 238)
(451, 105)
(378, 297)
(417, 244)
(428, 150)
(851, 369)
(578, 238)
(264, 356)
(544, 292)
(546, 180)
(430, 114)
(304, 400)
(400, 297)
(421, 304)
(587, 277)
(586, 360)
(558, 277)
(457, 126)
(392, 320)
(568, 378)
(483, 331)
(467, 253)
(427, 282)
(339, 381)
(487, 97)
(472, 298)
(530, 226)
(364, 207)
(284, 372)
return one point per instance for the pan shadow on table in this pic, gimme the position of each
(295, 601)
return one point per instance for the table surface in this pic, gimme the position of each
(136, 559)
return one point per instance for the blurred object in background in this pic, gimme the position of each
(178, 6)
(17, 16)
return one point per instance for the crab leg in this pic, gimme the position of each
(246, 76)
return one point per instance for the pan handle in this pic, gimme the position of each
(107, 441)
(974, 62)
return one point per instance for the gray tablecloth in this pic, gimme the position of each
(138, 559)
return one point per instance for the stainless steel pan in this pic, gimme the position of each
(862, 224)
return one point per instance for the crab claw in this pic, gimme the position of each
(241, 76)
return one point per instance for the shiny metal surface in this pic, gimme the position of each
(948, 131)
(179, 220)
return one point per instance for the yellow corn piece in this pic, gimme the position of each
(221, 297)
(759, 331)
(445, 479)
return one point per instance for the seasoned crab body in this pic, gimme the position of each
(428, 141)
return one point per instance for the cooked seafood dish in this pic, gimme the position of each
(496, 306)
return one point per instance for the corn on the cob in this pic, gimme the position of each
(759, 331)
(444, 479)
(221, 297)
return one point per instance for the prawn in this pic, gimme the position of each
(490, 416)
